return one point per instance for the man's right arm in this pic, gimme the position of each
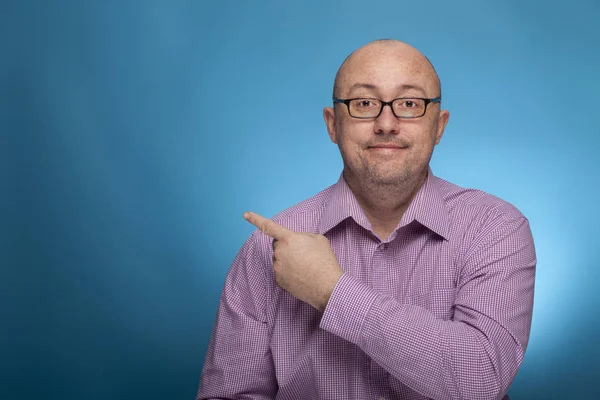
(238, 362)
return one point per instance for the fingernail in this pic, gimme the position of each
(246, 216)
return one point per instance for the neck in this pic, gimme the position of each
(384, 204)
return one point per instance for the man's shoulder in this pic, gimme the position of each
(306, 215)
(462, 201)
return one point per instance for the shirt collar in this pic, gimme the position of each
(427, 208)
(341, 205)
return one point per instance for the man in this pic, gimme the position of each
(390, 284)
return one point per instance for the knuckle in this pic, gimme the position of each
(265, 228)
(322, 239)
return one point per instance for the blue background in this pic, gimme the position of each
(135, 134)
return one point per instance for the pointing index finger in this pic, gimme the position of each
(267, 226)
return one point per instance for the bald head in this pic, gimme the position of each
(383, 62)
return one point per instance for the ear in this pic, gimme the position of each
(442, 121)
(329, 115)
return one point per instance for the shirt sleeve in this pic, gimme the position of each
(238, 362)
(474, 355)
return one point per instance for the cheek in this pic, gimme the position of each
(434, 134)
(427, 144)
(427, 137)
(422, 146)
(348, 148)
(350, 137)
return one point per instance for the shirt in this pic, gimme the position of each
(440, 309)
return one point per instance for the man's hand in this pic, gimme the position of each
(304, 263)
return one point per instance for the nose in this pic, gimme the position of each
(386, 123)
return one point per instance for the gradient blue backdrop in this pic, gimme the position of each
(134, 135)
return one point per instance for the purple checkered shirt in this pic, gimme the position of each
(441, 309)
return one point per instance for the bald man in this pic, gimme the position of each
(391, 283)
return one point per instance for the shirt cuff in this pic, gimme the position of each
(347, 309)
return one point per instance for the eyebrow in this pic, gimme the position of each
(370, 86)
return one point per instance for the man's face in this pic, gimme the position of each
(386, 150)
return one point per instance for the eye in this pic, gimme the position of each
(409, 104)
(365, 103)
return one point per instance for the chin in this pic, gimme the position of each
(389, 178)
(402, 174)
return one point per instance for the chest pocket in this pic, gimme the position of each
(440, 302)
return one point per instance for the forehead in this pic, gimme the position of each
(388, 70)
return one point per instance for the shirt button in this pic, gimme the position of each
(383, 246)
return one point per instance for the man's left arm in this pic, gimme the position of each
(474, 355)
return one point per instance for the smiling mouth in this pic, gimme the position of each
(386, 147)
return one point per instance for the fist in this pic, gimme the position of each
(304, 263)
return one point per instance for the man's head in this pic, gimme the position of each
(386, 150)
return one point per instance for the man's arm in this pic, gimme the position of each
(240, 365)
(475, 355)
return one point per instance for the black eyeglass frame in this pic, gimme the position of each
(388, 103)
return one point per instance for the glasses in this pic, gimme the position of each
(366, 108)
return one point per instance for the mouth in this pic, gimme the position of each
(386, 147)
